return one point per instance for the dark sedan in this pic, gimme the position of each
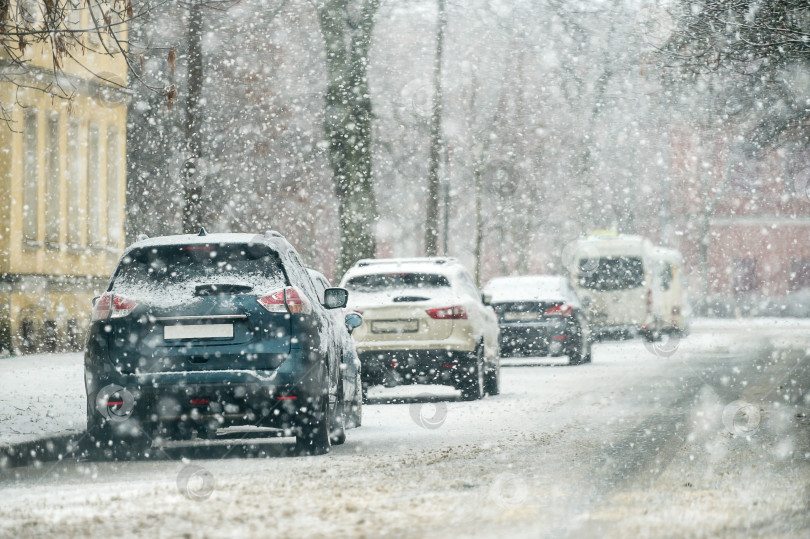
(540, 315)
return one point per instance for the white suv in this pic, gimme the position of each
(425, 322)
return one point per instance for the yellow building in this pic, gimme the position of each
(62, 190)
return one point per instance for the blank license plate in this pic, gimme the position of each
(198, 331)
(395, 326)
(520, 316)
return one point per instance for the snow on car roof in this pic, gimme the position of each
(441, 266)
(526, 288)
(273, 239)
(184, 239)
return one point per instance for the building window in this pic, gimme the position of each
(74, 334)
(74, 184)
(94, 206)
(50, 336)
(73, 19)
(799, 274)
(744, 174)
(97, 24)
(27, 336)
(30, 177)
(30, 13)
(799, 172)
(53, 184)
(113, 187)
(745, 275)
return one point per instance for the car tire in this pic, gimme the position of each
(575, 353)
(355, 415)
(492, 381)
(313, 436)
(472, 384)
(337, 433)
(586, 358)
(105, 444)
(579, 354)
(650, 335)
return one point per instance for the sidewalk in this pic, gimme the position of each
(41, 396)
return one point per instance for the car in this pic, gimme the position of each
(195, 333)
(540, 315)
(425, 322)
(350, 367)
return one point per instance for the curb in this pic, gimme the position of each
(50, 449)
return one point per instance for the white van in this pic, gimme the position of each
(628, 285)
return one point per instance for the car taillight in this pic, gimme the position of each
(285, 300)
(649, 301)
(112, 306)
(455, 312)
(563, 309)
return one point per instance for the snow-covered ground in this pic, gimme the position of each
(41, 395)
(710, 439)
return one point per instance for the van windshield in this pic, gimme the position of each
(611, 273)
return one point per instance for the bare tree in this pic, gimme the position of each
(55, 25)
(760, 49)
(432, 206)
(347, 27)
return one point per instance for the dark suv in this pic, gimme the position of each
(200, 332)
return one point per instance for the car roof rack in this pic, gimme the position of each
(396, 261)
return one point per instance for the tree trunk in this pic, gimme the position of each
(432, 206)
(479, 222)
(192, 188)
(348, 125)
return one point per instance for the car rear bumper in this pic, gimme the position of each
(225, 405)
(533, 339)
(270, 398)
(428, 366)
(458, 342)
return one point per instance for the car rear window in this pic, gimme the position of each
(611, 273)
(387, 281)
(184, 269)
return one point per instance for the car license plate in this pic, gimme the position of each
(198, 331)
(395, 326)
(520, 316)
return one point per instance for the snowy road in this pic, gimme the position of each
(714, 440)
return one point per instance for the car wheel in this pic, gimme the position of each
(650, 335)
(492, 382)
(337, 433)
(472, 384)
(106, 444)
(355, 415)
(577, 354)
(587, 356)
(313, 436)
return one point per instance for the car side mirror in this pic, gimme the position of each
(335, 298)
(95, 299)
(486, 299)
(353, 321)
